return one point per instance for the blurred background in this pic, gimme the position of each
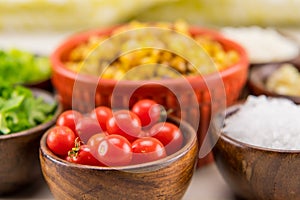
(50, 21)
(76, 15)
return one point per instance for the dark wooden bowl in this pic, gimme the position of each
(167, 178)
(254, 172)
(257, 80)
(19, 152)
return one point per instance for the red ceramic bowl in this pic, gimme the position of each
(232, 81)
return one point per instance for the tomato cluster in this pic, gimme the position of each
(106, 138)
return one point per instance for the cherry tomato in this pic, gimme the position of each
(94, 141)
(84, 157)
(148, 111)
(86, 128)
(125, 123)
(60, 140)
(169, 134)
(147, 149)
(114, 150)
(102, 114)
(69, 118)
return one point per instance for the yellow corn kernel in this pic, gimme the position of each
(166, 56)
(233, 56)
(178, 63)
(219, 57)
(109, 73)
(125, 61)
(148, 60)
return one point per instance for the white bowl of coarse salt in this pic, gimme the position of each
(263, 45)
(266, 122)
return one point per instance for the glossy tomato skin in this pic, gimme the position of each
(102, 114)
(86, 128)
(147, 149)
(125, 123)
(148, 111)
(84, 157)
(60, 140)
(114, 150)
(169, 134)
(93, 142)
(69, 118)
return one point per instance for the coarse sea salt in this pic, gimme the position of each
(266, 122)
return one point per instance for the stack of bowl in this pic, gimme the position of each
(223, 88)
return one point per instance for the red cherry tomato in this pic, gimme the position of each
(94, 141)
(69, 118)
(60, 140)
(169, 134)
(114, 150)
(147, 149)
(125, 123)
(86, 128)
(84, 157)
(148, 111)
(102, 114)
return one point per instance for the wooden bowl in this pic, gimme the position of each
(259, 75)
(19, 152)
(166, 178)
(225, 86)
(254, 172)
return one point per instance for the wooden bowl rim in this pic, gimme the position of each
(237, 143)
(257, 79)
(149, 166)
(79, 38)
(47, 97)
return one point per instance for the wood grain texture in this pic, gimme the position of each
(19, 156)
(257, 173)
(167, 178)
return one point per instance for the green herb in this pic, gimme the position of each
(18, 66)
(21, 110)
